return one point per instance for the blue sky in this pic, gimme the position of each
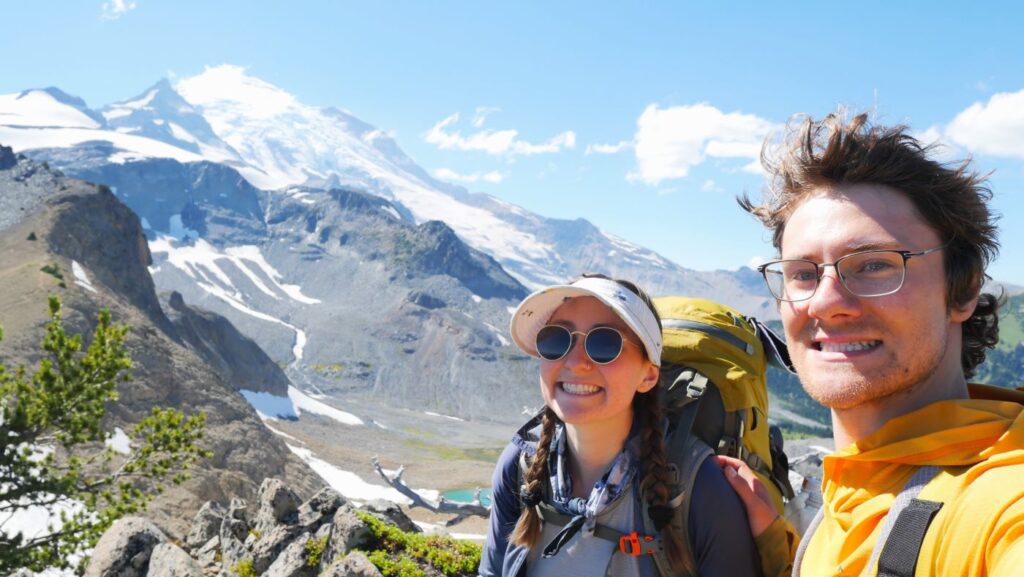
(643, 118)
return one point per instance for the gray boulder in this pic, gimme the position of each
(292, 562)
(269, 546)
(277, 504)
(355, 564)
(347, 532)
(208, 554)
(320, 507)
(169, 560)
(125, 549)
(206, 524)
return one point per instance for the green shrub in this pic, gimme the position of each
(315, 550)
(54, 271)
(244, 568)
(32, 236)
(404, 552)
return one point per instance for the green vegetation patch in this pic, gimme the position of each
(484, 454)
(315, 551)
(54, 271)
(399, 554)
(328, 370)
(244, 568)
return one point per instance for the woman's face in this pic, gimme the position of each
(581, 391)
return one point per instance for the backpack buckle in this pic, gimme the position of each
(630, 544)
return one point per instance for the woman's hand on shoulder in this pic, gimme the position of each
(756, 499)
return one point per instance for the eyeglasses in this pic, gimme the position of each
(602, 344)
(870, 273)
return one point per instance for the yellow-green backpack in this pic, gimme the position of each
(714, 388)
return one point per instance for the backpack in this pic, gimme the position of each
(714, 388)
(715, 396)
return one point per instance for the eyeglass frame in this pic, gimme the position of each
(819, 271)
(572, 343)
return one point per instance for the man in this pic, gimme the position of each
(882, 260)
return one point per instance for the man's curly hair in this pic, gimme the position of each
(952, 198)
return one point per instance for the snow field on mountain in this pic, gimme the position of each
(81, 279)
(134, 147)
(200, 262)
(290, 141)
(40, 109)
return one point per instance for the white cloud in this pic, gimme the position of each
(943, 149)
(709, 186)
(495, 142)
(481, 114)
(995, 127)
(608, 148)
(117, 8)
(756, 261)
(450, 175)
(671, 141)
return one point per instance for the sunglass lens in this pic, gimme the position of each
(553, 342)
(604, 345)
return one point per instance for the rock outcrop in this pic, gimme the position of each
(283, 538)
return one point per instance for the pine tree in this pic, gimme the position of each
(52, 454)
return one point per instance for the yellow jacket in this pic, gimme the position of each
(979, 531)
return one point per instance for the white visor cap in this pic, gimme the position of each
(535, 311)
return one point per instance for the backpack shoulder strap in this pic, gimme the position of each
(685, 454)
(903, 530)
(905, 526)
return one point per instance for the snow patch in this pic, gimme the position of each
(350, 485)
(119, 441)
(391, 210)
(304, 402)
(81, 279)
(477, 298)
(280, 433)
(449, 417)
(501, 336)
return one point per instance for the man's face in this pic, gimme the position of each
(849, 350)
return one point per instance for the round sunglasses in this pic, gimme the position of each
(602, 344)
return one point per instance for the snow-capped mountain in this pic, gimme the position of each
(226, 116)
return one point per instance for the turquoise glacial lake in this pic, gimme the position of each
(466, 496)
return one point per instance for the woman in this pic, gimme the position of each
(563, 498)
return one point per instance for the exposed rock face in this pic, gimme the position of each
(277, 504)
(354, 564)
(235, 357)
(125, 549)
(169, 560)
(7, 158)
(300, 540)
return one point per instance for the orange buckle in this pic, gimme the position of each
(630, 544)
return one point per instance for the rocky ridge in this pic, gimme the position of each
(76, 240)
(278, 536)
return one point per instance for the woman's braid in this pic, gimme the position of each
(528, 527)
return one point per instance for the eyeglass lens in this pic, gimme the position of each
(602, 344)
(864, 274)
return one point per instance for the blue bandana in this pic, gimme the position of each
(584, 512)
